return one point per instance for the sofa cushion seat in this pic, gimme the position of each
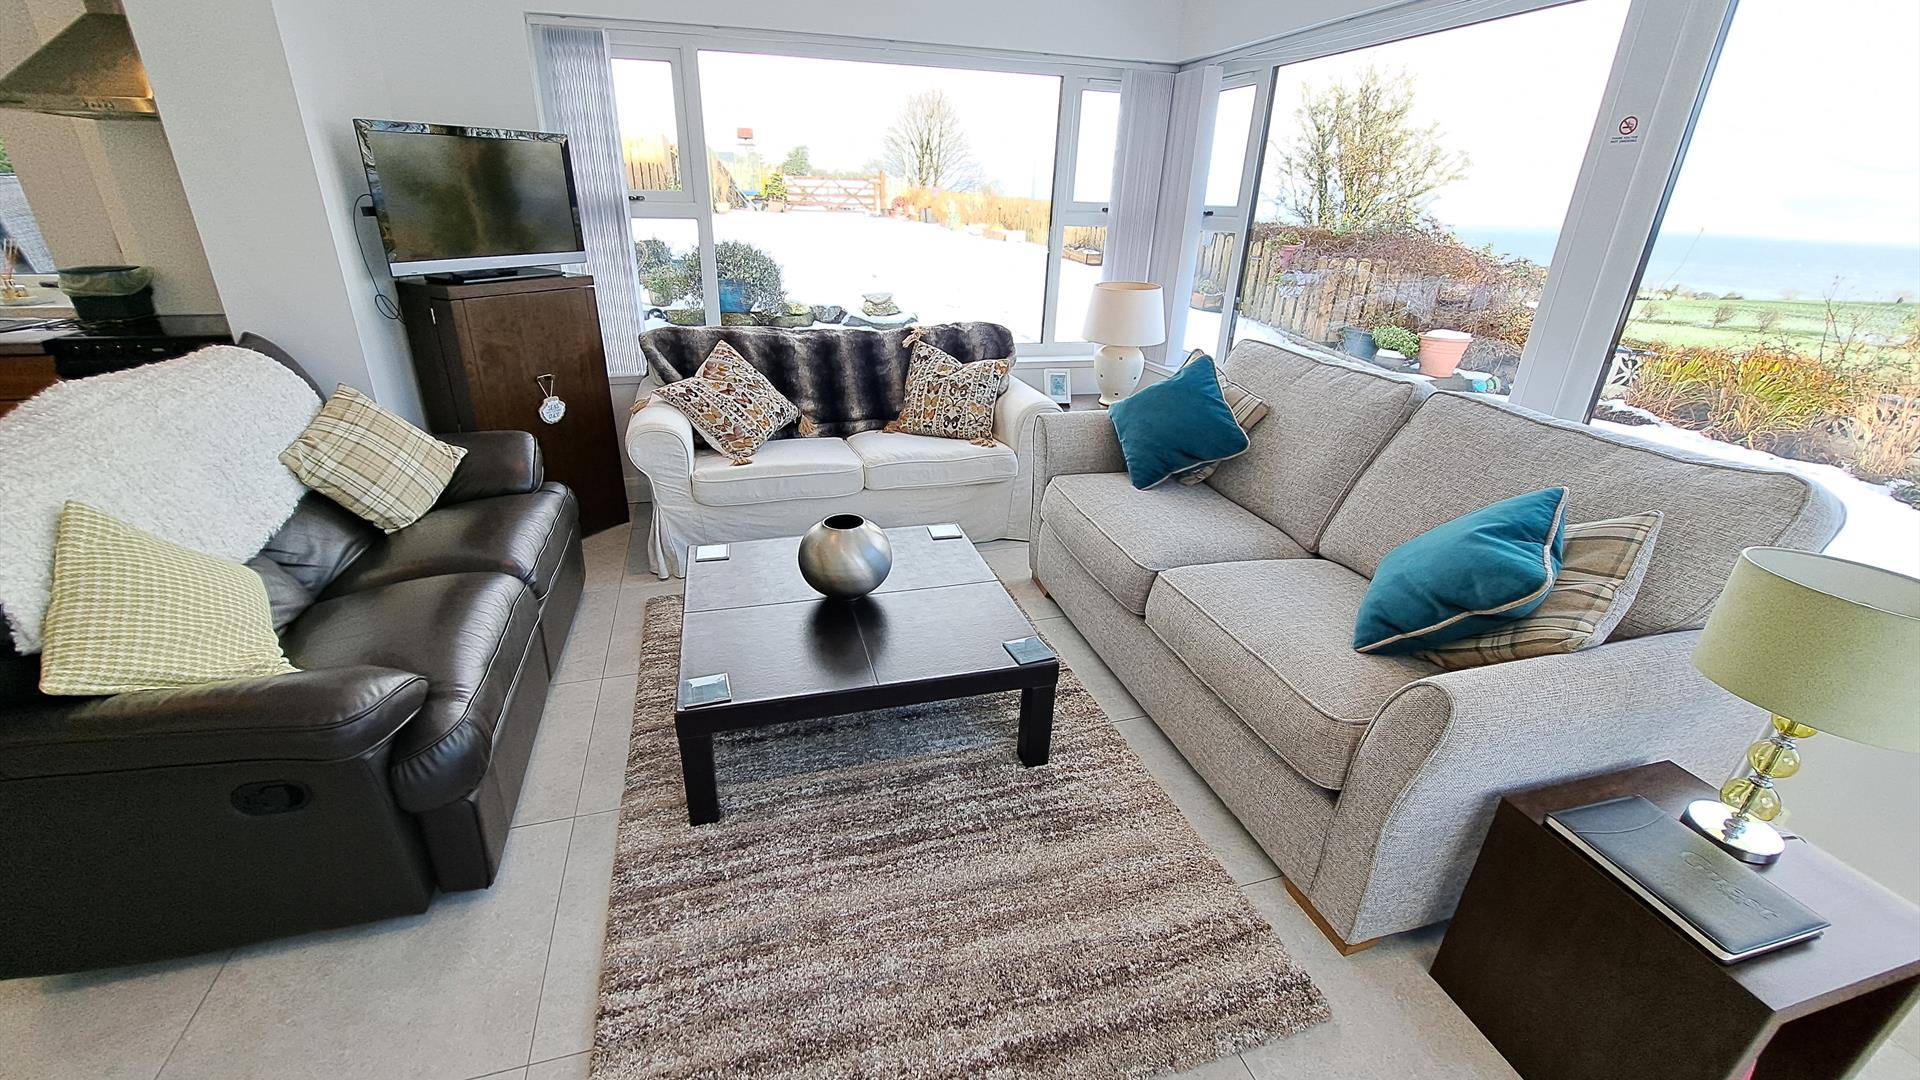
(465, 633)
(1274, 641)
(895, 460)
(523, 536)
(781, 471)
(1125, 537)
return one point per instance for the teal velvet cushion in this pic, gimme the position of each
(1175, 424)
(1466, 576)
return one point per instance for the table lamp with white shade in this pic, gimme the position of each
(1123, 316)
(1825, 645)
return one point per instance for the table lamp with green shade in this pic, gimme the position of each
(1825, 645)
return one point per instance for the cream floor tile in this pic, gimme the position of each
(445, 995)
(552, 787)
(113, 1024)
(605, 775)
(570, 993)
(629, 617)
(1227, 1068)
(585, 654)
(1008, 558)
(1390, 1020)
(1093, 671)
(606, 556)
(572, 1067)
(1230, 842)
(1891, 1063)
(510, 1074)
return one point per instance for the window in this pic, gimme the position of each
(1776, 318)
(17, 228)
(897, 193)
(1232, 124)
(1099, 140)
(1411, 185)
(666, 253)
(643, 92)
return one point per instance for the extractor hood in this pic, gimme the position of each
(90, 70)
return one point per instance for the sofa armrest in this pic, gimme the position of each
(497, 463)
(1076, 441)
(1432, 766)
(660, 443)
(325, 714)
(1018, 410)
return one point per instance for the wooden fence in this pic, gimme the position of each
(862, 193)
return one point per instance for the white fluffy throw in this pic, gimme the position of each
(187, 449)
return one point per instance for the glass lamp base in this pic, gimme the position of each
(1746, 839)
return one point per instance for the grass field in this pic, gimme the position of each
(1879, 327)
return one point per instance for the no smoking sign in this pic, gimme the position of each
(1627, 131)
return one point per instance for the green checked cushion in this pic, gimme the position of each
(131, 611)
(371, 461)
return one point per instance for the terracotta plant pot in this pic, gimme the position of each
(1441, 350)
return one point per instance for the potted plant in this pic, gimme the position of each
(774, 191)
(1290, 244)
(665, 284)
(1395, 345)
(1207, 294)
(1441, 350)
(1357, 342)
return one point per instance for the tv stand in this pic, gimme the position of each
(504, 273)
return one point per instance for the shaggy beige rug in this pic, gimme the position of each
(892, 895)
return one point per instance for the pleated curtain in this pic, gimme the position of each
(578, 85)
(1183, 178)
(1146, 103)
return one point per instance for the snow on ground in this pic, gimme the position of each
(939, 274)
(1880, 530)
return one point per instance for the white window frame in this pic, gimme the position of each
(1660, 73)
(680, 45)
(1237, 219)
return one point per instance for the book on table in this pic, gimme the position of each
(1723, 904)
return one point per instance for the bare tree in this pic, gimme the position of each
(1722, 315)
(1359, 161)
(1766, 318)
(927, 147)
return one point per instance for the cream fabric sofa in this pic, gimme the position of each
(700, 497)
(1227, 609)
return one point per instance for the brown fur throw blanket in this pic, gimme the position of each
(844, 381)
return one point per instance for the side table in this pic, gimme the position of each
(1573, 977)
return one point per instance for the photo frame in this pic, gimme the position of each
(1058, 383)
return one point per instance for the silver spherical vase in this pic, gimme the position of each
(845, 556)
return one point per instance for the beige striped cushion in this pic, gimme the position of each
(371, 461)
(1599, 575)
(131, 611)
(1247, 407)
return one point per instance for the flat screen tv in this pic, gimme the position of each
(455, 200)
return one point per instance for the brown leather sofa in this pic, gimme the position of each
(164, 823)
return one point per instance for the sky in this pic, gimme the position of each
(1811, 128)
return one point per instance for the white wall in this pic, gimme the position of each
(225, 87)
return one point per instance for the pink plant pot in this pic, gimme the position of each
(1441, 350)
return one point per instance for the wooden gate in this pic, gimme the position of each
(862, 193)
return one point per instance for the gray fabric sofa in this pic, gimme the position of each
(1227, 609)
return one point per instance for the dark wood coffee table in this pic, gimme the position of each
(938, 628)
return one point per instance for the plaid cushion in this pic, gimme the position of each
(371, 461)
(951, 400)
(1248, 409)
(1599, 575)
(733, 407)
(131, 611)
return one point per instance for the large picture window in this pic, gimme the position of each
(1776, 319)
(1412, 186)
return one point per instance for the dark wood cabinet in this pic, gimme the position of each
(481, 351)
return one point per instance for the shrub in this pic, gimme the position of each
(1752, 398)
(667, 281)
(741, 263)
(1650, 308)
(1399, 339)
(775, 189)
(650, 254)
(1886, 434)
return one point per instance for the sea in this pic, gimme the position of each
(1756, 267)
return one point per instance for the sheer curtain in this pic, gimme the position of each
(1183, 179)
(578, 84)
(1146, 104)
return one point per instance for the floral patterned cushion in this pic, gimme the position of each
(951, 400)
(733, 407)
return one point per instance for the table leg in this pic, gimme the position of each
(696, 772)
(1036, 724)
